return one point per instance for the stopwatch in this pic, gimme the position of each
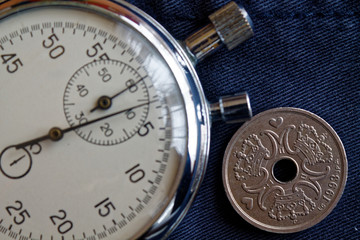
(104, 125)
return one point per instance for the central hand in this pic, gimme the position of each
(105, 102)
(56, 134)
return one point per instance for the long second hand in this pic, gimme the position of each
(55, 134)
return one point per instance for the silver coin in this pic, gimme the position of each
(284, 170)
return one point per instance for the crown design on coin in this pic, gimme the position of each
(312, 145)
(291, 206)
(251, 156)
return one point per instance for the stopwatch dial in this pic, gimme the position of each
(124, 141)
(104, 87)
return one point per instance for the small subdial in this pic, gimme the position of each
(15, 163)
(100, 89)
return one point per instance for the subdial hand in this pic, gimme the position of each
(105, 102)
(17, 160)
(56, 134)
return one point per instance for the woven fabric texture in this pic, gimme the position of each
(304, 54)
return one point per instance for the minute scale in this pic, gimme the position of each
(127, 97)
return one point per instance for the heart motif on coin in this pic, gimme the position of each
(249, 202)
(276, 122)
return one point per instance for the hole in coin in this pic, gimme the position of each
(285, 170)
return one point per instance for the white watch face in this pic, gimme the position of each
(93, 128)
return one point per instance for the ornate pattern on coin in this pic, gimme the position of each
(284, 170)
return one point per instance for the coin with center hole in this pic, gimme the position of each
(284, 170)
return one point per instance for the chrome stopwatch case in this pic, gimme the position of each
(104, 127)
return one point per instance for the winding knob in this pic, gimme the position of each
(230, 25)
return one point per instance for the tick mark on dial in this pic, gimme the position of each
(126, 133)
(122, 70)
(88, 136)
(87, 73)
(69, 104)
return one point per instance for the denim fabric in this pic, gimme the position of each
(305, 54)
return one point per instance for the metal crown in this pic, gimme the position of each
(230, 25)
(233, 24)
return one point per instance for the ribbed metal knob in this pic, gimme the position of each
(233, 24)
(230, 25)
